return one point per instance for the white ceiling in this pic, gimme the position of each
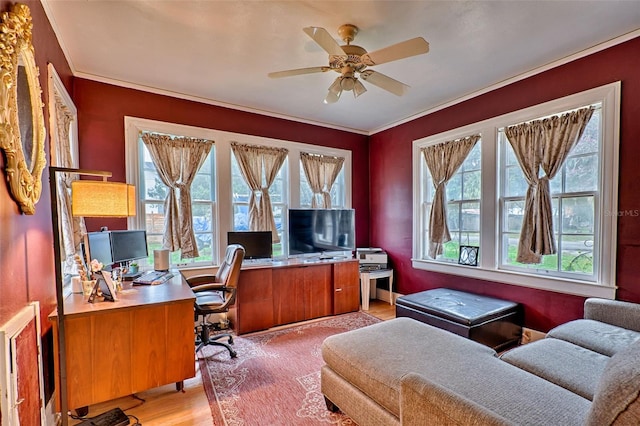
(220, 52)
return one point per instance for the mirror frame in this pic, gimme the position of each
(25, 183)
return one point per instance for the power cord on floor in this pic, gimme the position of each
(130, 416)
(137, 421)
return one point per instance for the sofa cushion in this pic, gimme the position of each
(616, 400)
(565, 364)
(595, 335)
(375, 358)
(506, 394)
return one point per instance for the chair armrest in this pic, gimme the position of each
(423, 402)
(614, 312)
(202, 279)
(210, 287)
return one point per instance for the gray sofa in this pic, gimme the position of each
(585, 372)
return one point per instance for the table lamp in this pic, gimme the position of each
(89, 198)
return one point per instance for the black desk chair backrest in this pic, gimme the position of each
(215, 294)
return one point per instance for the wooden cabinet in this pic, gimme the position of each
(253, 309)
(292, 291)
(346, 289)
(143, 340)
(288, 300)
(317, 291)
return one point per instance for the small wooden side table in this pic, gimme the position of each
(365, 284)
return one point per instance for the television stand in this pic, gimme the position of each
(294, 290)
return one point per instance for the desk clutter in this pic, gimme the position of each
(153, 278)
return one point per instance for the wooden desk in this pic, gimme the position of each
(143, 340)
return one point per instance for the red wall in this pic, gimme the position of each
(391, 179)
(26, 241)
(102, 108)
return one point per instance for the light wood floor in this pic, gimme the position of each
(164, 406)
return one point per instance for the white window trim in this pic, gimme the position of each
(222, 168)
(488, 269)
(55, 86)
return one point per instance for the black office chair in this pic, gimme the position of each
(215, 294)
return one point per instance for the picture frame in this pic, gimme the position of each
(468, 255)
(103, 287)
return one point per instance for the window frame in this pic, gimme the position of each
(427, 193)
(223, 213)
(488, 267)
(55, 86)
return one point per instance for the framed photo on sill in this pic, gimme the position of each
(469, 255)
(104, 287)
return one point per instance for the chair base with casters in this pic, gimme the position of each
(204, 337)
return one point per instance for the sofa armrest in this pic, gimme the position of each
(423, 402)
(614, 312)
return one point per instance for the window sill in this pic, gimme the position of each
(558, 285)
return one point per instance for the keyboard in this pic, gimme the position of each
(153, 278)
(115, 417)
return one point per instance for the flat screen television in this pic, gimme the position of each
(257, 244)
(321, 231)
(128, 245)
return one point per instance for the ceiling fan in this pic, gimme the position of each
(351, 61)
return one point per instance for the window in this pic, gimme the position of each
(63, 125)
(574, 192)
(220, 196)
(277, 193)
(463, 206)
(486, 196)
(337, 191)
(152, 193)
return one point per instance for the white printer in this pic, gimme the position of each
(372, 259)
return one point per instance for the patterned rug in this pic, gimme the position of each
(275, 380)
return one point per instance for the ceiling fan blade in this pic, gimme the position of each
(299, 71)
(405, 49)
(384, 82)
(324, 40)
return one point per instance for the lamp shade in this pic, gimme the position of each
(92, 198)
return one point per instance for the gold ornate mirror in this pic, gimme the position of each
(22, 131)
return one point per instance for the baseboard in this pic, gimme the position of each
(386, 296)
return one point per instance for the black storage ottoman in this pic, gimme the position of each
(493, 322)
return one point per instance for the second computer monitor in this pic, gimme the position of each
(257, 244)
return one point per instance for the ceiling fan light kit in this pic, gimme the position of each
(351, 60)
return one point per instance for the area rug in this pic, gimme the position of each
(275, 380)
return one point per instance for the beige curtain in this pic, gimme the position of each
(542, 144)
(259, 166)
(443, 160)
(321, 172)
(177, 160)
(72, 228)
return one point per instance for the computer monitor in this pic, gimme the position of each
(100, 247)
(257, 244)
(128, 245)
